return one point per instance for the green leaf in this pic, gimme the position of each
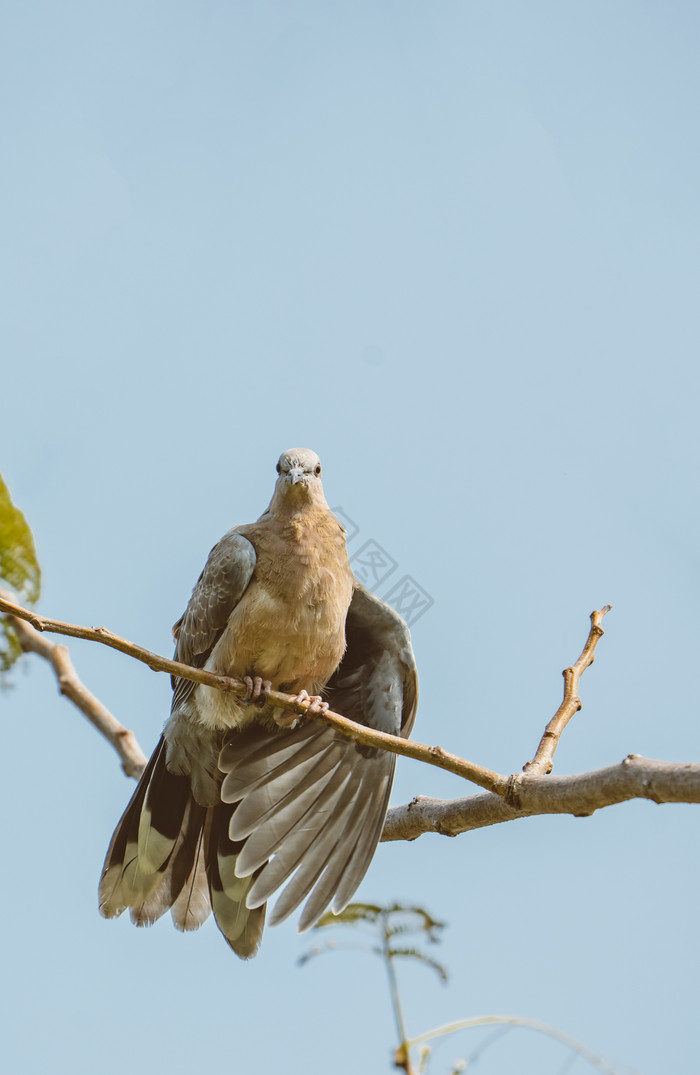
(19, 569)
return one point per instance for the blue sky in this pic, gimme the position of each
(453, 247)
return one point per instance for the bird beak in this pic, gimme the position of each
(296, 474)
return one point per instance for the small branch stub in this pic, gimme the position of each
(543, 760)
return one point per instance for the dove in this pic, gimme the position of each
(240, 800)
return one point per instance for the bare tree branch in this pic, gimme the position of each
(581, 795)
(125, 743)
(122, 739)
(433, 755)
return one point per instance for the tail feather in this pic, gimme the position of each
(241, 926)
(113, 898)
(169, 852)
(154, 847)
(178, 875)
(302, 810)
(162, 815)
(193, 905)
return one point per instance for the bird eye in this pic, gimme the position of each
(317, 470)
(278, 469)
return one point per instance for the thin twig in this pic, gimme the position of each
(359, 733)
(571, 703)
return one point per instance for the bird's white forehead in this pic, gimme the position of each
(298, 457)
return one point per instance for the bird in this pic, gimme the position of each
(241, 798)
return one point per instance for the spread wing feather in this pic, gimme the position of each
(283, 866)
(284, 801)
(290, 825)
(311, 803)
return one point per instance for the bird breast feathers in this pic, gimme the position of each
(280, 637)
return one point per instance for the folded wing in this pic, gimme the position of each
(219, 588)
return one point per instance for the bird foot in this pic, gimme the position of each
(257, 690)
(312, 703)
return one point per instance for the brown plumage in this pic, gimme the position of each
(235, 802)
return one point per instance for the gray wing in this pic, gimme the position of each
(312, 798)
(219, 588)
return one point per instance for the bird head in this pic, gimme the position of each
(299, 480)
